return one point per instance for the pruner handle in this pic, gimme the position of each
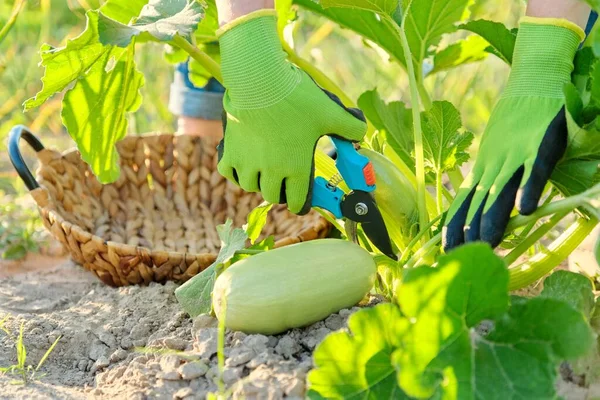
(356, 169)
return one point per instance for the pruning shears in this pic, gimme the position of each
(357, 206)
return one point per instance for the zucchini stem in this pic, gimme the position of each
(534, 237)
(415, 100)
(439, 187)
(204, 59)
(545, 261)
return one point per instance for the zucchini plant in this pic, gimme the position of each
(428, 341)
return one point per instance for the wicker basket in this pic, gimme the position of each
(157, 222)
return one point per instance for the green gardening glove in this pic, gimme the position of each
(275, 114)
(524, 139)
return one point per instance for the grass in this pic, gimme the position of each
(25, 372)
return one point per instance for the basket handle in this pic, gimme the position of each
(16, 133)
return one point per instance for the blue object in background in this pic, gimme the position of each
(591, 21)
(188, 100)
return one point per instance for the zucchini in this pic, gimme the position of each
(396, 198)
(293, 286)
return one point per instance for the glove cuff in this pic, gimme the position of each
(543, 57)
(255, 69)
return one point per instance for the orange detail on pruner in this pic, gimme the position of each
(369, 174)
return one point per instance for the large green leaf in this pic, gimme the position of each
(94, 110)
(160, 20)
(358, 365)
(574, 289)
(439, 349)
(123, 10)
(579, 169)
(501, 39)
(64, 65)
(194, 296)
(469, 50)
(427, 21)
(445, 355)
(365, 23)
(444, 140)
(388, 7)
(392, 119)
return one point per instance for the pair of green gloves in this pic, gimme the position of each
(275, 114)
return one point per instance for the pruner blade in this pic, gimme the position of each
(360, 207)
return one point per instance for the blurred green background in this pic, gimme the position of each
(355, 65)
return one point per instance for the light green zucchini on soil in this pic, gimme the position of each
(293, 286)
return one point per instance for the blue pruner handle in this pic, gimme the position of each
(356, 169)
(327, 197)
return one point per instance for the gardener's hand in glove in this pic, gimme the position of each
(525, 137)
(275, 114)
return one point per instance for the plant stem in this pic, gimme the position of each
(545, 261)
(249, 252)
(323, 80)
(567, 204)
(527, 274)
(438, 191)
(534, 237)
(204, 59)
(456, 178)
(419, 156)
(425, 98)
(416, 239)
(18, 5)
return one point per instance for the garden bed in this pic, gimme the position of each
(100, 328)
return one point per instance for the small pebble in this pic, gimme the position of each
(169, 363)
(97, 350)
(287, 346)
(100, 363)
(206, 344)
(239, 355)
(169, 376)
(231, 375)
(175, 343)
(257, 343)
(193, 370)
(203, 321)
(118, 355)
(334, 322)
(183, 393)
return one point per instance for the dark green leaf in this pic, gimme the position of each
(123, 10)
(94, 110)
(394, 120)
(159, 20)
(257, 220)
(444, 140)
(64, 65)
(357, 364)
(465, 51)
(573, 289)
(194, 296)
(498, 36)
